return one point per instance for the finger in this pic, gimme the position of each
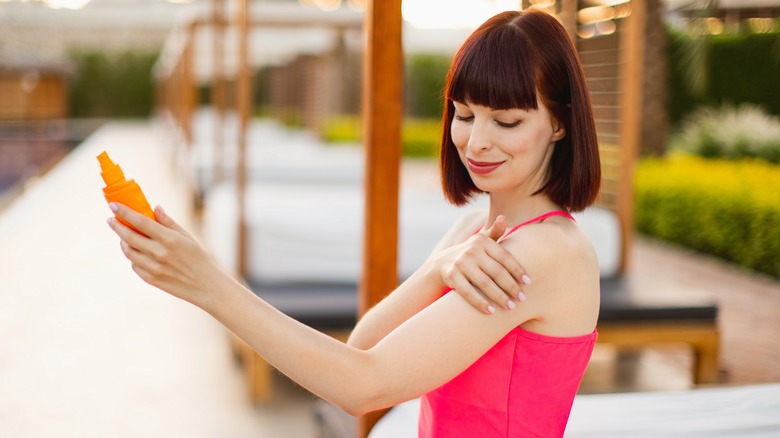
(139, 258)
(472, 296)
(143, 274)
(498, 284)
(493, 291)
(496, 229)
(478, 279)
(509, 263)
(167, 221)
(136, 219)
(133, 239)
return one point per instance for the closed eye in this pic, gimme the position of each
(463, 118)
(508, 125)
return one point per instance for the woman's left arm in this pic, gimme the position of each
(416, 357)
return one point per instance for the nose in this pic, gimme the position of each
(479, 138)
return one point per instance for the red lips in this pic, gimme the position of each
(483, 167)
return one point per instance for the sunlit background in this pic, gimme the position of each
(81, 74)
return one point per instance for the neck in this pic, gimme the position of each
(519, 209)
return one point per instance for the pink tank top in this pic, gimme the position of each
(523, 386)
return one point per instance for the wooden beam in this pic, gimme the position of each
(244, 100)
(632, 41)
(568, 17)
(703, 338)
(218, 89)
(382, 112)
(189, 90)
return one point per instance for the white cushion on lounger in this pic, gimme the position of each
(313, 232)
(741, 411)
(304, 232)
(603, 228)
(399, 422)
(751, 411)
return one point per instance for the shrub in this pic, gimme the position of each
(112, 84)
(732, 67)
(732, 132)
(729, 209)
(341, 129)
(424, 84)
(419, 137)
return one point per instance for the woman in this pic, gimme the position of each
(518, 125)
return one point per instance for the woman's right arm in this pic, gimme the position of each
(478, 268)
(414, 358)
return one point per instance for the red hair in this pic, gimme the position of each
(504, 64)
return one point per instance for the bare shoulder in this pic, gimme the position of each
(463, 228)
(564, 269)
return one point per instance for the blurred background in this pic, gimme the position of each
(696, 199)
(711, 70)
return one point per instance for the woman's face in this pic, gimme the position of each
(505, 150)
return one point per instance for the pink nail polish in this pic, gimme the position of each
(510, 304)
(521, 296)
(113, 207)
(526, 279)
(491, 309)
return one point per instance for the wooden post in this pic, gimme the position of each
(568, 17)
(382, 111)
(188, 85)
(218, 89)
(243, 98)
(630, 87)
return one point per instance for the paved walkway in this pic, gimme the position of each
(749, 305)
(750, 329)
(88, 350)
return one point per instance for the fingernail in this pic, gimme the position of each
(162, 210)
(521, 296)
(510, 304)
(526, 279)
(110, 220)
(491, 309)
(113, 206)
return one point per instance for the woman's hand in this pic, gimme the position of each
(483, 272)
(167, 256)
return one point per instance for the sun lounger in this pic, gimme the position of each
(306, 260)
(751, 411)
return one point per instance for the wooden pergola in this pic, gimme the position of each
(617, 101)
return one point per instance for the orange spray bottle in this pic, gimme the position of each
(122, 191)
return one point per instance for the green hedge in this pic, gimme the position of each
(729, 209)
(424, 84)
(419, 137)
(112, 84)
(735, 68)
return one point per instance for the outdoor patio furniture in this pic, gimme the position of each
(305, 260)
(748, 411)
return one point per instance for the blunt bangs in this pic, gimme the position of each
(495, 70)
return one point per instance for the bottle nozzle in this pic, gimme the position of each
(105, 160)
(110, 171)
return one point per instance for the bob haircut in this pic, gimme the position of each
(505, 64)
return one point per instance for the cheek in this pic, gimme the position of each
(460, 135)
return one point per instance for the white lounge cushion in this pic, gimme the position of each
(313, 232)
(751, 411)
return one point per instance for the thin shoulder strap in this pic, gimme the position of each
(537, 219)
